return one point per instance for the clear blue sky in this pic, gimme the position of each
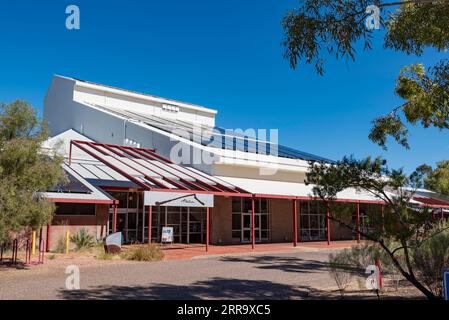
(225, 55)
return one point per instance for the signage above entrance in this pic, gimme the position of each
(177, 199)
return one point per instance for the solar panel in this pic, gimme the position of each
(218, 137)
(72, 186)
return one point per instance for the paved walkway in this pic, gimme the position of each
(259, 276)
(181, 251)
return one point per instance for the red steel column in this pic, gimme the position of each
(328, 226)
(207, 228)
(295, 223)
(358, 221)
(298, 237)
(253, 222)
(150, 223)
(114, 227)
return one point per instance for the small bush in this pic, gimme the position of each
(60, 246)
(340, 270)
(150, 252)
(105, 256)
(83, 240)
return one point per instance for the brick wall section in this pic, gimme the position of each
(96, 225)
(281, 220)
(221, 221)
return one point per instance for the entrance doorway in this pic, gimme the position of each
(242, 220)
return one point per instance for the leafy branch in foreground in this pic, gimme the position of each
(406, 225)
(427, 102)
(336, 26)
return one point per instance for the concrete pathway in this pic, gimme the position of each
(293, 275)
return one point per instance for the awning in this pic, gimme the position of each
(145, 169)
(77, 190)
(430, 199)
(281, 189)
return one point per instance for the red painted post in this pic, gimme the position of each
(115, 219)
(150, 223)
(253, 222)
(380, 273)
(295, 223)
(207, 228)
(358, 221)
(328, 226)
(298, 238)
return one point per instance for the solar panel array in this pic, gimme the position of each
(72, 186)
(217, 137)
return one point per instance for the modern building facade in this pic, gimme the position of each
(140, 163)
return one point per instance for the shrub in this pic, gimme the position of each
(431, 258)
(60, 246)
(105, 256)
(149, 252)
(83, 240)
(341, 268)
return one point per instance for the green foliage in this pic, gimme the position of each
(427, 102)
(332, 26)
(24, 169)
(438, 179)
(406, 227)
(105, 256)
(60, 245)
(335, 27)
(83, 240)
(149, 252)
(431, 258)
(417, 26)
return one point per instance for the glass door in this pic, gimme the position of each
(246, 227)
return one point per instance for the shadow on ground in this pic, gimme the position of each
(287, 264)
(216, 288)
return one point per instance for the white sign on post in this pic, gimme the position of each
(167, 235)
(178, 199)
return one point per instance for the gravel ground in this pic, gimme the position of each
(296, 275)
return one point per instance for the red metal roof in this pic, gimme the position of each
(432, 202)
(153, 172)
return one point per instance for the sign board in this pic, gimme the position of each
(167, 235)
(178, 199)
(446, 284)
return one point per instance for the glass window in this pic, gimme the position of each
(236, 222)
(75, 209)
(247, 205)
(236, 205)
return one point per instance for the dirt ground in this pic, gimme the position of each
(298, 274)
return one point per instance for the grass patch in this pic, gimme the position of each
(149, 252)
(51, 257)
(105, 256)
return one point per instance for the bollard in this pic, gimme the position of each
(67, 241)
(380, 273)
(41, 251)
(33, 244)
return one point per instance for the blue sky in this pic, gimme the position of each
(225, 55)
